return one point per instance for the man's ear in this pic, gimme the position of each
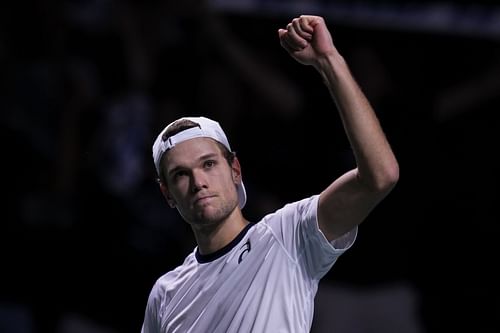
(166, 194)
(236, 170)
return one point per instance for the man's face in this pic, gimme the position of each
(199, 181)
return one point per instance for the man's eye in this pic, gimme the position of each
(209, 163)
(179, 174)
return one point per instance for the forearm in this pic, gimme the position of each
(348, 199)
(376, 163)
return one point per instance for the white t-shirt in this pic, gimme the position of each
(265, 280)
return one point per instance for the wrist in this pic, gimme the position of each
(331, 67)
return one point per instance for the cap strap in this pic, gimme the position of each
(190, 133)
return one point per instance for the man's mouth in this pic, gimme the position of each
(203, 199)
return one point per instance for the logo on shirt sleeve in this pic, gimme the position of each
(245, 248)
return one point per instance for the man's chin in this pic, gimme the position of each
(206, 215)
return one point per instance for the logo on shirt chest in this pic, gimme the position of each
(244, 250)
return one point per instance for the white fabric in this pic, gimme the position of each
(272, 289)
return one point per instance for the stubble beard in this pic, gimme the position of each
(209, 216)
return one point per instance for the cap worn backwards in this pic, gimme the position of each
(207, 128)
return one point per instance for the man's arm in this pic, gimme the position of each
(350, 198)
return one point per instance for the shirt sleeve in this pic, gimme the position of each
(152, 322)
(318, 254)
(296, 226)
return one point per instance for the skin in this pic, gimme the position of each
(350, 198)
(201, 184)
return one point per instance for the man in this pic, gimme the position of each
(263, 277)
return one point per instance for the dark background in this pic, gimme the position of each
(87, 85)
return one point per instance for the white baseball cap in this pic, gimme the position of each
(207, 128)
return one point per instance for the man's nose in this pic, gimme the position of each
(197, 180)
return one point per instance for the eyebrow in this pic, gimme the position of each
(201, 158)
